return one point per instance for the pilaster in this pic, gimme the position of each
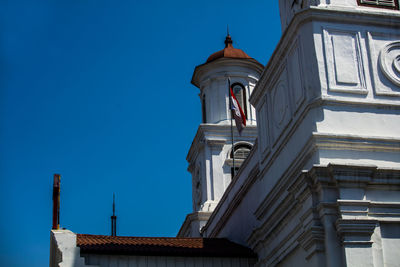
(356, 240)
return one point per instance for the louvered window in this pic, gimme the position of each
(391, 4)
(241, 152)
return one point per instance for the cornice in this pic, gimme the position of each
(365, 175)
(361, 229)
(223, 74)
(349, 142)
(217, 143)
(222, 132)
(203, 69)
(367, 209)
(356, 102)
(334, 142)
(289, 193)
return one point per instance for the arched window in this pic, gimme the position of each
(240, 93)
(241, 152)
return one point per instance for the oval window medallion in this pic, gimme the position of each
(389, 62)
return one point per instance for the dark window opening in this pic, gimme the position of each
(389, 4)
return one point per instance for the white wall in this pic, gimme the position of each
(161, 261)
(328, 173)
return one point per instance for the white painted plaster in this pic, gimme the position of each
(328, 147)
(64, 252)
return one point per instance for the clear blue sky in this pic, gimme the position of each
(99, 91)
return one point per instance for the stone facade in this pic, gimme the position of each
(322, 185)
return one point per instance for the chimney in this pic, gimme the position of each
(56, 201)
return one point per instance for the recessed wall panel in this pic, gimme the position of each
(343, 61)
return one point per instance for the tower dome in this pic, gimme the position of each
(229, 56)
(228, 52)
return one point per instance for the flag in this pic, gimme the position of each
(237, 111)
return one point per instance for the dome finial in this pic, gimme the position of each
(228, 39)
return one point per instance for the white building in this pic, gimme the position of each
(321, 184)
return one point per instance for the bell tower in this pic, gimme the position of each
(210, 155)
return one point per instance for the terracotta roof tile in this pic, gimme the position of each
(167, 246)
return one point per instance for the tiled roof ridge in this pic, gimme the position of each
(146, 237)
(183, 246)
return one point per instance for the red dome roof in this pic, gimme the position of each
(233, 57)
(228, 52)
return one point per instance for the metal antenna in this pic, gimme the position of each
(113, 220)
(113, 204)
(227, 29)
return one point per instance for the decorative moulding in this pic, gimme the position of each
(206, 69)
(385, 62)
(216, 143)
(389, 62)
(296, 71)
(343, 61)
(263, 129)
(362, 209)
(214, 131)
(356, 232)
(335, 14)
(356, 143)
(312, 240)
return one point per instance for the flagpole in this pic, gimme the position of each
(230, 108)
